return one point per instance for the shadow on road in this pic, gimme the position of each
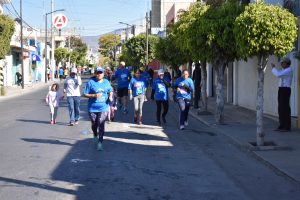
(46, 141)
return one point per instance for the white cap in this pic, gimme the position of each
(161, 71)
(74, 70)
(122, 63)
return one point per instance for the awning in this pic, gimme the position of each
(35, 57)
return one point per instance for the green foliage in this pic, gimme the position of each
(189, 33)
(7, 27)
(61, 54)
(79, 50)
(168, 53)
(134, 50)
(108, 43)
(263, 30)
(207, 31)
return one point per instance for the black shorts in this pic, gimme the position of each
(122, 92)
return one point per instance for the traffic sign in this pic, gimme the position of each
(60, 21)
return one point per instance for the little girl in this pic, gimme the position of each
(53, 97)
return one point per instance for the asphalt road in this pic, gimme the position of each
(43, 161)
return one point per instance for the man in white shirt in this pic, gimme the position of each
(284, 93)
(72, 89)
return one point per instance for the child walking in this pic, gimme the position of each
(52, 99)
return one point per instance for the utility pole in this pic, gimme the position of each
(147, 41)
(22, 50)
(53, 67)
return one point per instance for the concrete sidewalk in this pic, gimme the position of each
(15, 91)
(240, 127)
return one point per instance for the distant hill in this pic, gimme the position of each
(91, 41)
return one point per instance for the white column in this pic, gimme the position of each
(229, 83)
(235, 83)
(209, 79)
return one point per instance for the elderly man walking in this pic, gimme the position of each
(72, 89)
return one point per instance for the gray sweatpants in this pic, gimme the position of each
(138, 103)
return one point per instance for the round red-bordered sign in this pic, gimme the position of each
(60, 21)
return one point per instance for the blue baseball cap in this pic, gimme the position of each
(99, 69)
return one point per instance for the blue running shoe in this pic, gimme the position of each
(100, 146)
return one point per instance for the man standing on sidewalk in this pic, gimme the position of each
(284, 93)
(197, 82)
(72, 88)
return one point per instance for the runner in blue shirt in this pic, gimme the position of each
(161, 95)
(146, 76)
(99, 92)
(61, 74)
(184, 87)
(123, 76)
(137, 88)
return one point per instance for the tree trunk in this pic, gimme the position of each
(219, 115)
(260, 135)
(204, 85)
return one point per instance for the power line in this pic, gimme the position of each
(18, 16)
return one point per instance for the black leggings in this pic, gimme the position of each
(165, 105)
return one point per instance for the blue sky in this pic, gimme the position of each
(88, 17)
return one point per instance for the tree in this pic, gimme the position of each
(263, 30)
(108, 44)
(190, 38)
(168, 53)
(61, 55)
(7, 27)
(208, 32)
(134, 52)
(217, 25)
(79, 49)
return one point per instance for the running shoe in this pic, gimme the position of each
(76, 122)
(51, 122)
(71, 124)
(100, 146)
(181, 127)
(186, 123)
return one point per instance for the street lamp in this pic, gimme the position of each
(46, 66)
(128, 25)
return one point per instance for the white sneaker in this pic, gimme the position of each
(181, 127)
(186, 123)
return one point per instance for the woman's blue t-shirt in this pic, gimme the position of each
(183, 93)
(94, 86)
(138, 86)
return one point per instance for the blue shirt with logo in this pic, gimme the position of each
(183, 93)
(161, 90)
(138, 86)
(103, 88)
(123, 76)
